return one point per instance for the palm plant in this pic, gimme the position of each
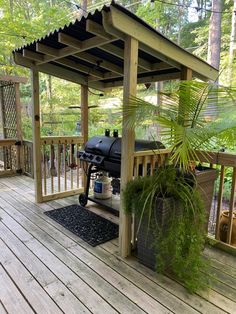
(195, 116)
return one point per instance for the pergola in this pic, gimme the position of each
(111, 47)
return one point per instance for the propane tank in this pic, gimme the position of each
(102, 186)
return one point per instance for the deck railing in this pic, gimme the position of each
(61, 169)
(145, 162)
(9, 157)
(28, 161)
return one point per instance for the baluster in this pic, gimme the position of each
(231, 206)
(71, 166)
(144, 168)
(52, 167)
(136, 160)
(25, 158)
(78, 166)
(65, 174)
(152, 164)
(219, 201)
(44, 170)
(10, 160)
(59, 167)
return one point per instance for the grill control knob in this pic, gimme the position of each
(98, 158)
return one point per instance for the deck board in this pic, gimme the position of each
(77, 278)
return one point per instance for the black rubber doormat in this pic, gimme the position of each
(90, 227)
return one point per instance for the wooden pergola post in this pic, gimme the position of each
(84, 112)
(20, 161)
(186, 75)
(84, 120)
(128, 138)
(36, 135)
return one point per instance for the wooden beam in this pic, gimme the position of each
(118, 52)
(107, 23)
(128, 137)
(186, 74)
(57, 71)
(60, 195)
(97, 29)
(159, 43)
(14, 79)
(32, 55)
(20, 163)
(52, 54)
(80, 67)
(48, 50)
(36, 135)
(103, 63)
(84, 125)
(151, 78)
(75, 46)
(69, 63)
(84, 112)
(95, 75)
(146, 79)
(69, 41)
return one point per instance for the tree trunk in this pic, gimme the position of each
(84, 6)
(232, 45)
(214, 41)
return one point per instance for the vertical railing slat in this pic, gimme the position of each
(65, 174)
(231, 206)
(44, 170)
(219, 201)
(52, 167)
(71, 167)
(78, 167)
(59, 167)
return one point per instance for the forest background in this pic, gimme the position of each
(205, 28)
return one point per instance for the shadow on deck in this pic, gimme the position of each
(46, 269)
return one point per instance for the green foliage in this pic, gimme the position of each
(179, 242)
(192, 117)
(24, 21)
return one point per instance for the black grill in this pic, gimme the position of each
(103, 153)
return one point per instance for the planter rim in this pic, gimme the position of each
(225, 213)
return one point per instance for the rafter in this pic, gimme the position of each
(32, 55)
(146, 79)
(57, 71)
(74, 46)
(98, 29)
(98, 61)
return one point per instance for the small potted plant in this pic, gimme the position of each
(172, 205)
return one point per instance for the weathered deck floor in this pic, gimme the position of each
(46, 269)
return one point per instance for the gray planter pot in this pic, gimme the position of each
(163, 208)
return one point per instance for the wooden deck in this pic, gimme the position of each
(46, 269)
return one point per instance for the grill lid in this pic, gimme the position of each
(100, 145)
(110, 147)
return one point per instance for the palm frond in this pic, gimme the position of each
(196, 116)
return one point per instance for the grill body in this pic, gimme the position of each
(103, 153)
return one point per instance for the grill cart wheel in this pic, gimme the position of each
(83, 200)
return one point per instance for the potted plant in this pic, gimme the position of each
(172, 213)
